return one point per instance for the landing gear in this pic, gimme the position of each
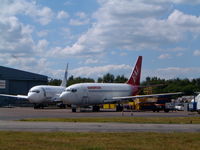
(38, 106)
(62, 106)
(96, 108)
(166, 110)
(119, 107)
(73, 108)
(198, 111)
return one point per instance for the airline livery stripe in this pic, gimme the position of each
(108, 91)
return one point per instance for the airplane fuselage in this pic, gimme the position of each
(95, 93)
(44, 93)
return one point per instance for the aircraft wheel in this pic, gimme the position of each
(166, 110)
(198, 111)
(95, 108)
(119, 108)
(73, 109)
(62, 106)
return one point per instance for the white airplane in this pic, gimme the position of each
(87, 94)
(42, 94)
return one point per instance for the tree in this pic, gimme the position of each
(108, 78)
(120, 79)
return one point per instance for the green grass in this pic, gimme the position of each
(98, 141)
(157, 120)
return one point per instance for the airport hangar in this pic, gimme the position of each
(18, 82)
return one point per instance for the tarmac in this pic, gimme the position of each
(9, 121)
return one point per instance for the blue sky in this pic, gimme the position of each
(100, 36)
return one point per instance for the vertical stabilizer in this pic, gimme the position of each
(136, 73)
(64, 81)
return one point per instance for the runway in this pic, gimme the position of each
(95, 127)
(23, 113)
(9, 117)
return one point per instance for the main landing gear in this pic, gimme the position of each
(38, 106)
(119, 107)
(95, 108)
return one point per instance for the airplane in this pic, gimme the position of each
(43, 94)
(87, 94)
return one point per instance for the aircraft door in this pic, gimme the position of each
(85, 98)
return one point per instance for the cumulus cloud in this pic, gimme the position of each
(14, 36)
(134, 25)
(196, 53)
(91, 61)
(43, 15)
(62, 15)
(41, 46)
(81, 19)
(100, 70)
(172, 72)
(42, 33)
(164, 56)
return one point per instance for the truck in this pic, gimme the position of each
(197, 100)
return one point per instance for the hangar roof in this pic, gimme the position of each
(14, 74)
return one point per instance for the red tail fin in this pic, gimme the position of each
(135, 76)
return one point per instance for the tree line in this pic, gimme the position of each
(158, 85)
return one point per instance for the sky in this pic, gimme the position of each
(101, 36)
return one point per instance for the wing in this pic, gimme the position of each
(143, 96)
(15, 96)
(117, 99)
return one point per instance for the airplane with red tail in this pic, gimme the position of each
(93, 94)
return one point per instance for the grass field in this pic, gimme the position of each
(98, 141)
(157, 120)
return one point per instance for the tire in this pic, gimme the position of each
(73, 109)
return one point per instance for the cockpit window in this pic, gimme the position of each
(74, 90)
(71, 90)
(35, 91)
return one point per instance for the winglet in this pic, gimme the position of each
(136, 73)
(64, 81)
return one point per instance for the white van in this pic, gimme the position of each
(197, 99)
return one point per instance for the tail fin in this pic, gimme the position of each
(136, 73)
(64, 81)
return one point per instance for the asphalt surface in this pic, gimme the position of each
(8, 117)
(23, 113)
(95, 127)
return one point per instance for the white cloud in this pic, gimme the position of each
(196, 53)
(14, 36)
(91, 61)
(62, 15)
(164, 56)
(41, 46)
(43, 33)
(99, 71)
(173, 72)
(43, 15)
(134, 25)
(76, 22)
(82, 19)
(179, 54)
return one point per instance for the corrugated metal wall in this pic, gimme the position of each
(16, 82)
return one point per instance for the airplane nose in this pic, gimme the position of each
(32, 98)
(64, 97)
